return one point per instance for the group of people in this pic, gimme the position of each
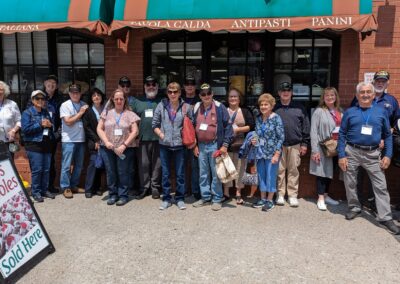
(140, 138)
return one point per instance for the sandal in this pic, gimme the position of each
(226, 198)
(239, 200)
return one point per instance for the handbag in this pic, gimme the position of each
(225, 169)
(329, 146)
(188, 131)
(98, 162)
(250, 176)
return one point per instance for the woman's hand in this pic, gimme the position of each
(161, 135)
(11, 135)
(316, 157)
(196, 151)
(120, 150)
(109, 145)
(275, 158)
(97, 146)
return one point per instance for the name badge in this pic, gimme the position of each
(336, 130)
(203, 126)
(118, 132)
(51, 114)
(148, 113)
(46, 132)
(366, 130)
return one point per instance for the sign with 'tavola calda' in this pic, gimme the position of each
(24, 241)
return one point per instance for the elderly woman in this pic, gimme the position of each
(268, 140)
(10, 118)
(90, 121)
(242, 122)
(117, 129)
(325, 123)
(167, 125)
(37, 127)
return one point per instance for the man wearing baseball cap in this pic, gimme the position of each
(73, 141)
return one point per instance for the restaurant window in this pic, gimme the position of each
(252, 62)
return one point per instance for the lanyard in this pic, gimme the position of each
(96, 113)
(206, 111)
(73, 104)
(366, 119)
(119, 118)
(263, 126)
(149, 104)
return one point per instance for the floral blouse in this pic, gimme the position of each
(271, 135)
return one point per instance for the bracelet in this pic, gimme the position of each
(126, 146)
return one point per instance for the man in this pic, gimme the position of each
(149, 150)
(192, 167)
(54, 101)
(73, 141)
(297, 138)
(213, 132)
(124, 84)
(391, 107)
(360, 134)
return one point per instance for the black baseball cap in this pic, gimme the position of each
(205, 87)
(124, 80)
(75, 88)
(52, 77)
(285, 86)
(150, 79)
(382, 75)
(190, 80)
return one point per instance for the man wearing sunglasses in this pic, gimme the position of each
(149, 150)
(124, 84)
(213, 132)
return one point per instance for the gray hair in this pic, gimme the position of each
(6, 88)
(364, 84)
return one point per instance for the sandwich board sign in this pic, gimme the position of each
(24, 240)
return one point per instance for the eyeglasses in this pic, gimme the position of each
(203, 94)
(118, 99)
(173, 92)
(151, 84)
(190, 84)
(125, 86)
(366, 92)
(40, 99)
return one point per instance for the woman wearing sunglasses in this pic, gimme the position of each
(37, 127)
(167, 125)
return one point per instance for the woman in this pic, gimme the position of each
(167, 125)
(325, 123)
(268, 141)
(242, 122)
(117, 129)
(90, 121)
(10, 119)
(37, 127)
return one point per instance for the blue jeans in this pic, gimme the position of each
(177, 154)
(267, 175)
(40, 169)
(93, 175)
(117, 172)
(72, 152)
(194, 174)
(210, 185)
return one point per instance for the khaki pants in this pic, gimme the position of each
(290, 161)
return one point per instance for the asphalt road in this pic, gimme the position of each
(138, 243)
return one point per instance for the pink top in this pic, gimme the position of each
(116, 124)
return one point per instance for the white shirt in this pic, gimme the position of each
(74, 132)
(10, 116)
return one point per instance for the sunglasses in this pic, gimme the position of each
(190, 84)
(125, 86)
(151, 84)
(40, 99)
(173, 92)
(365, 92)
(205, 94)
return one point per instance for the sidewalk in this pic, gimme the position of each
(138, 243)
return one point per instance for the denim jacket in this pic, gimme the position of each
(31, 124)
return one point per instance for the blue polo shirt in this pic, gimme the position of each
(387, 102)
(350, 129)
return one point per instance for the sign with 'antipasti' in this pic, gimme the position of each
(23, 238)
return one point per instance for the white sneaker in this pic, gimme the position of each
(280, 200)
(293, 202)
(331, 201)
(321, 205)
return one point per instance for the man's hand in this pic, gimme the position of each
(381, 144)
(196, 151)
(83, 109)
(223, 150)
(384, 163)
(303, 150)
(343, 163)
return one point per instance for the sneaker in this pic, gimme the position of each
(38, 198)
(268, 206)
(391, 227)
(260, 203)
(48, 194)
(280, 200)
(164, 205)
(293, 202)
(201, 203)
(68, 193)
(330, 201)
(122, 202)
(78, 190)
(216, 206)
(111, 200)
(350, 215)
(181, 205)
(321, 205)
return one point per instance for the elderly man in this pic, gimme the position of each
(297, 138)
(73, 141)
(213, 132)
(360, 134)
(149, 150)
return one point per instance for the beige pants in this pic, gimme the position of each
(290, 161)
